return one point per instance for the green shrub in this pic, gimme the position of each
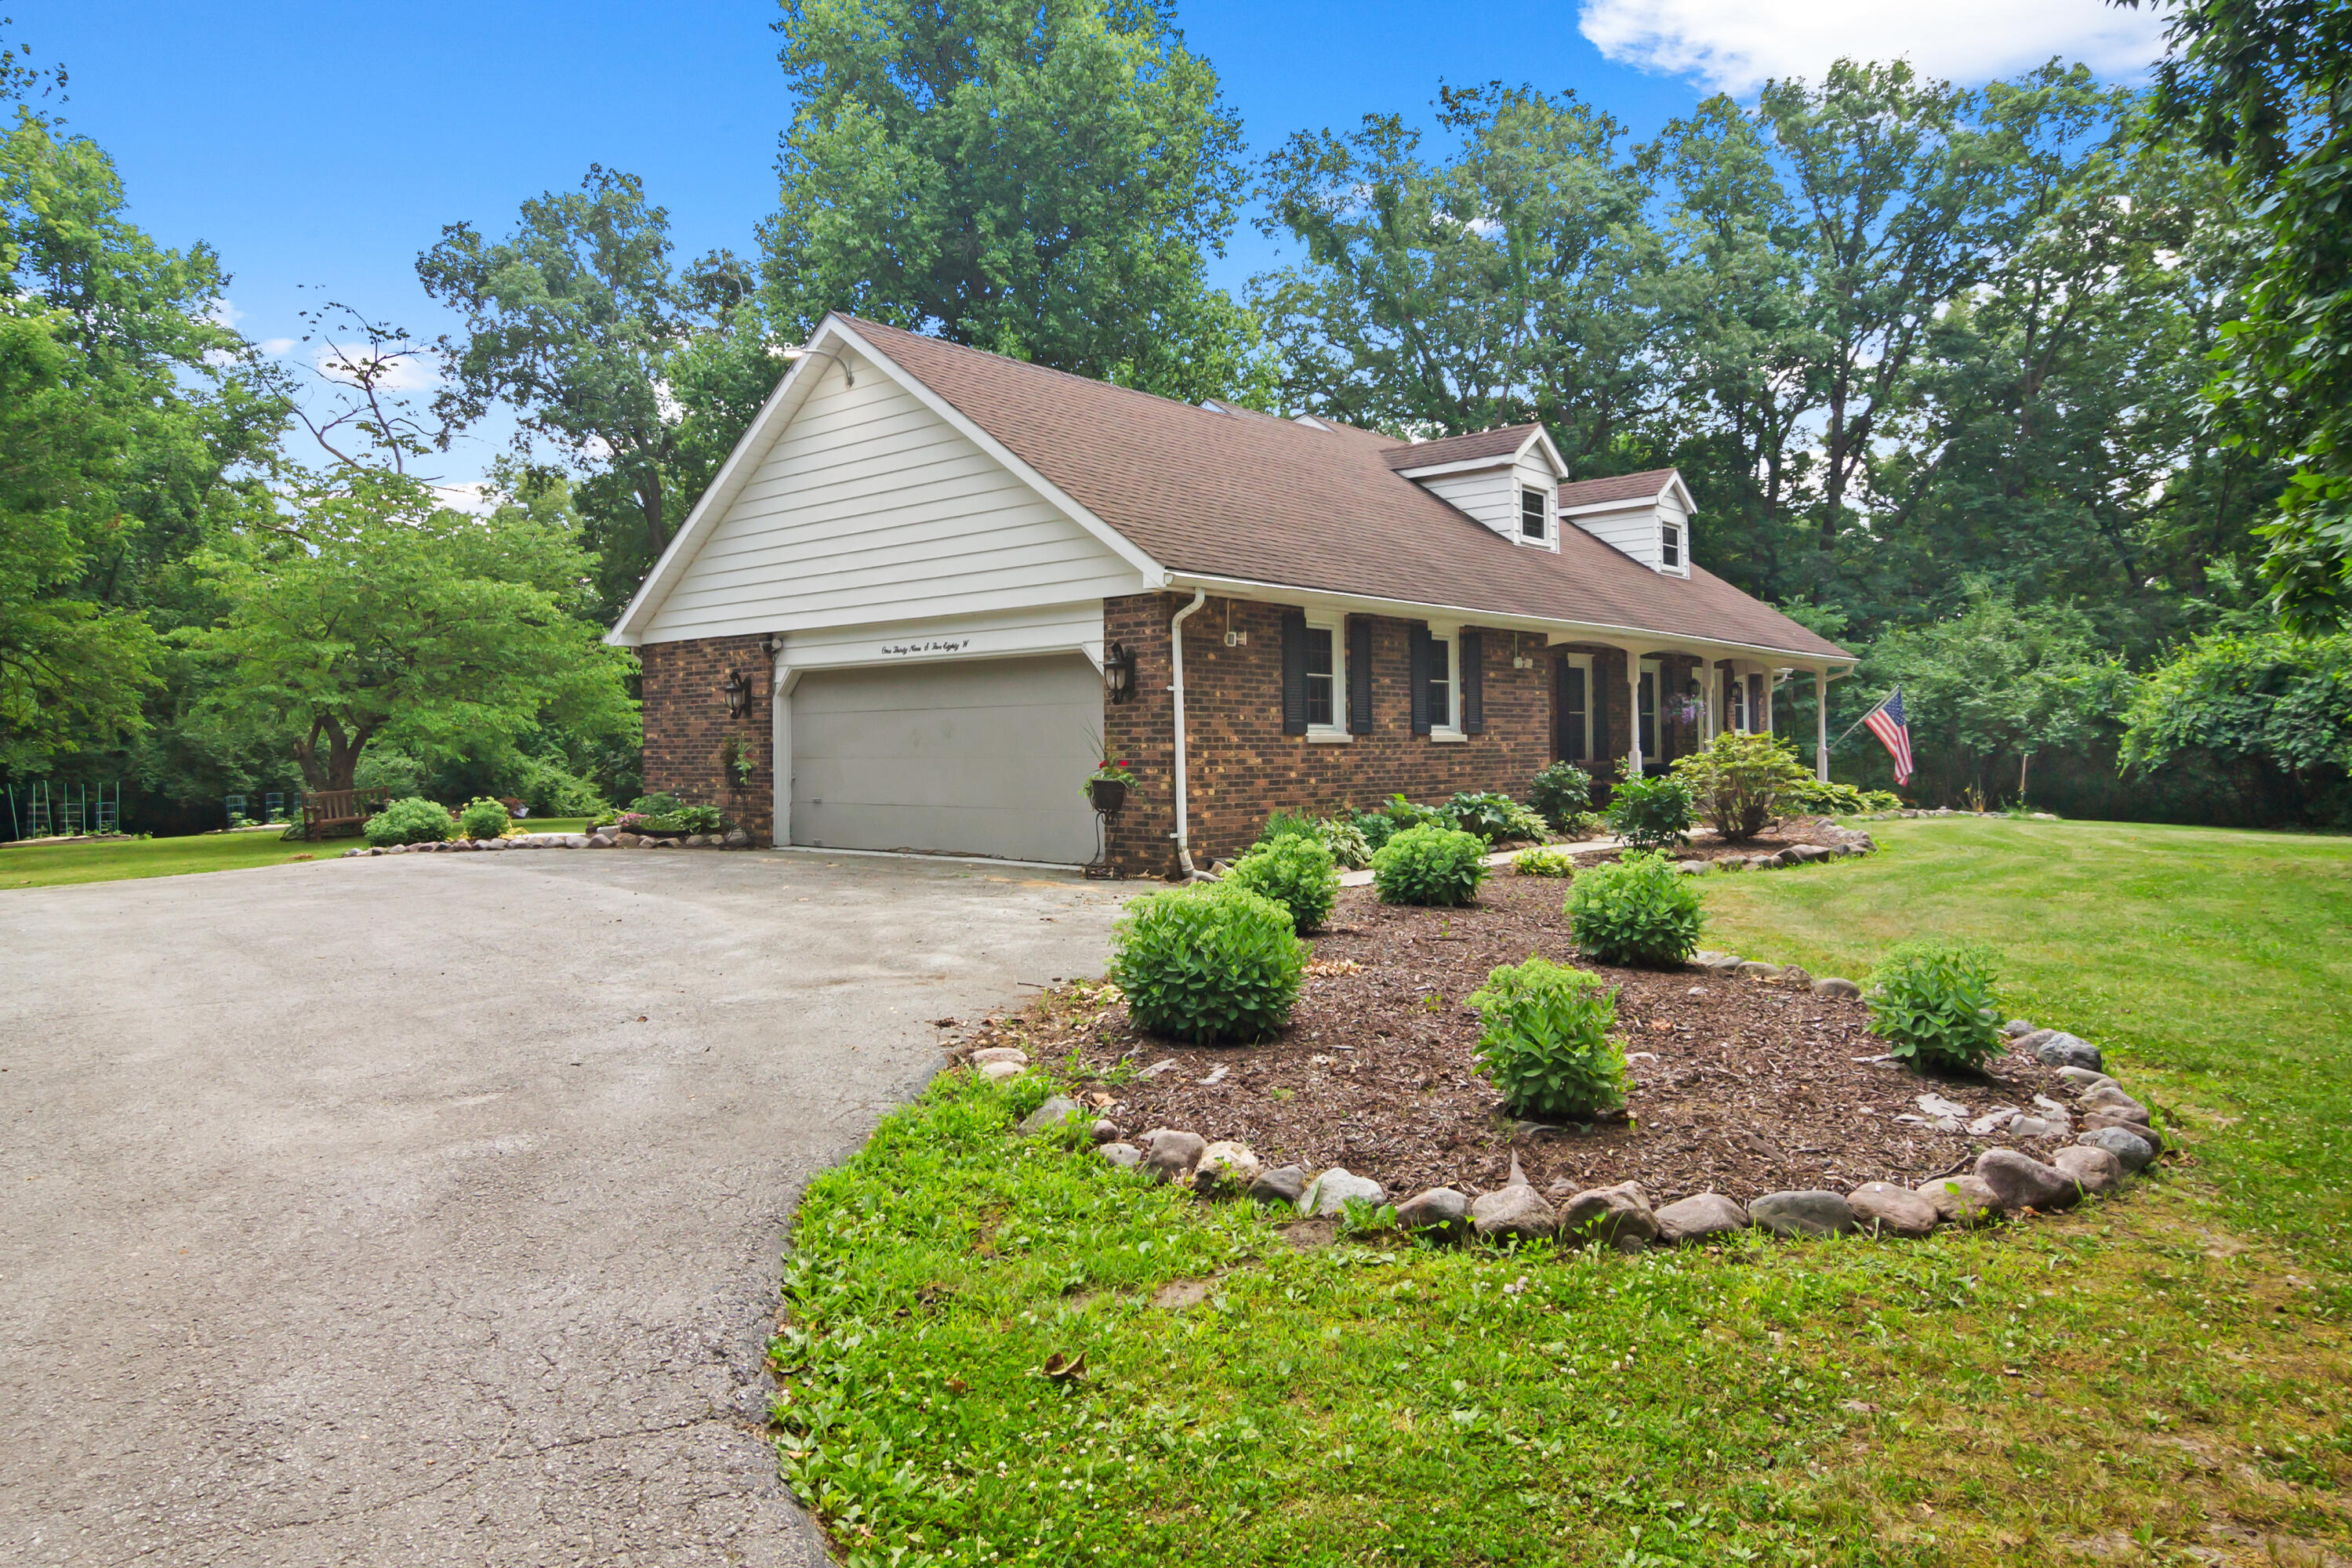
(698, 819)
(1490, 816)
(1640, 910)
(1287, 825)
(1740, 780)
(1560, 791)
(1296, 873)
(1650, 813)
(1376, 827)
(482, 818)
(1581, 825)
(1430, 865)
(1207, 965)
(1346, 843)
(1544, 861)
(1823, 799)
(1543, 1040)
(1935, 1000)
(413, 820)
(1881, 800)
(657, 805)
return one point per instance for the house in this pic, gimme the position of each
(930, 581)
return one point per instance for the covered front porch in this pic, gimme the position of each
(1628, 709)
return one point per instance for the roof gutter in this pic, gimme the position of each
(1292, 593)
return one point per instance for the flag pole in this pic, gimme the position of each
(1858, 723)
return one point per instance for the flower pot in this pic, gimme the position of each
(1106, 795)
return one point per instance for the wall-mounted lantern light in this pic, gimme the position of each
(1119, 673)
(738, 693)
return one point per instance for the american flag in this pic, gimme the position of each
(1893, 732)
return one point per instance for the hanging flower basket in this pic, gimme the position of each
(1106, 795)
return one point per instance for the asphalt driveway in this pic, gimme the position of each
(427, 1210)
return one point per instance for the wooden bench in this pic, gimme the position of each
(340, 809)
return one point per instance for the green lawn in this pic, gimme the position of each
(53, 864)
(2159, 1379)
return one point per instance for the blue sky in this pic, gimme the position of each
(325, 143)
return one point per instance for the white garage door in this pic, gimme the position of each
(984, 757)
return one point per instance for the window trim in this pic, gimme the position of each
(1337, 731)
(1550, 498)
(1652, 671)
(1450, 639)
(1679, 529)
(1583, 661)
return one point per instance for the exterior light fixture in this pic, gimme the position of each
(1119, 673)
(738, 693)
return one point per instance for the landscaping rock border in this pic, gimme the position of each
(733, 839)
(2004, 1183)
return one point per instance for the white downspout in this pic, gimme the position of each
(1176, 648)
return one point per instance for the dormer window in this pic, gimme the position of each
(1670, 546)
(1534, 514)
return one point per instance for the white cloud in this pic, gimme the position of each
(1737, 45)
(273, 347)
(221, 314)
(474, 496)
(401, 373)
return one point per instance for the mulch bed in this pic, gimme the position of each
(1741, 1086)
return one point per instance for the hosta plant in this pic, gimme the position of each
(1559, 792)
(1207, 964)
(1544, 1041)
(1640, 910)
(1934, 1001)
(1491, 816)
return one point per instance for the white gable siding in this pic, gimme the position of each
(869, 507)
(1631, 528)
(1491, 495)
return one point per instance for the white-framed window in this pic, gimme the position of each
(1652, 682)
(1327, 679)
(1670, 545)
(1535, 515)
(1445, 688)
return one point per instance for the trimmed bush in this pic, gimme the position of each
(1559, 792)
(1430, 865)
(1935, 1000)
(1740, 781)
(413, 820)
(1543, 1040)
(483, 818)
(1207, 964)
(1650, 813)
(1295, 872)
(1640, 910)
(1490, 816)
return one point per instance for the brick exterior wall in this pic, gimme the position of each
(686, 724)
(1242, 766)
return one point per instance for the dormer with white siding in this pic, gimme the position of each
(1645, 515)
(1508, 479)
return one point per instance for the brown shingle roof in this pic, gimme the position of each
(1277, 503)
(1503, 441)
(1644, 486)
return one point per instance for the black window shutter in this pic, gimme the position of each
(1293, 672)
(1418, 644)
(1470, 649)
(1360, 675)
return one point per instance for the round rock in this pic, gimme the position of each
(1697, 1218)
(2139, 1129)
(1619, 1215)
(1441, 1213)
(1049, 1116)
(2130, 1150)
(1754, 969)
(1960, 1200)
(1104, 1131)
(1283, 1184)
(2084, 1078)
(2065, 1050)
(1226, 1170)
(2113, 1101)
(1330, 1192)
(2021, 1181)
(1126, 1156)
(1513, 1211)
(1883, 1208)
(1813, 1213)
(987, 1054)
(997, 1072)
(1831, 985)
(2095, 1170)
(1170, 1155)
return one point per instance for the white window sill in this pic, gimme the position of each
(1534, 543)
(1329, 737)
(1447, 735)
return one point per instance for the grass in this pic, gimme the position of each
(57, 864)
(2146, 1376)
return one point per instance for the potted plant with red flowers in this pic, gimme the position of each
(1107, 785)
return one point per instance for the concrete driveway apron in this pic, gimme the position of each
(427, 1210)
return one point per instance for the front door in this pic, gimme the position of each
(1571, 709)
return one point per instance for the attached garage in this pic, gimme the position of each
(970, 757)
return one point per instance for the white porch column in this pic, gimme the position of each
(1822, 722)
(1711, 695)
(1632, 712)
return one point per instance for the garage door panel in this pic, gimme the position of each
(980, 758)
